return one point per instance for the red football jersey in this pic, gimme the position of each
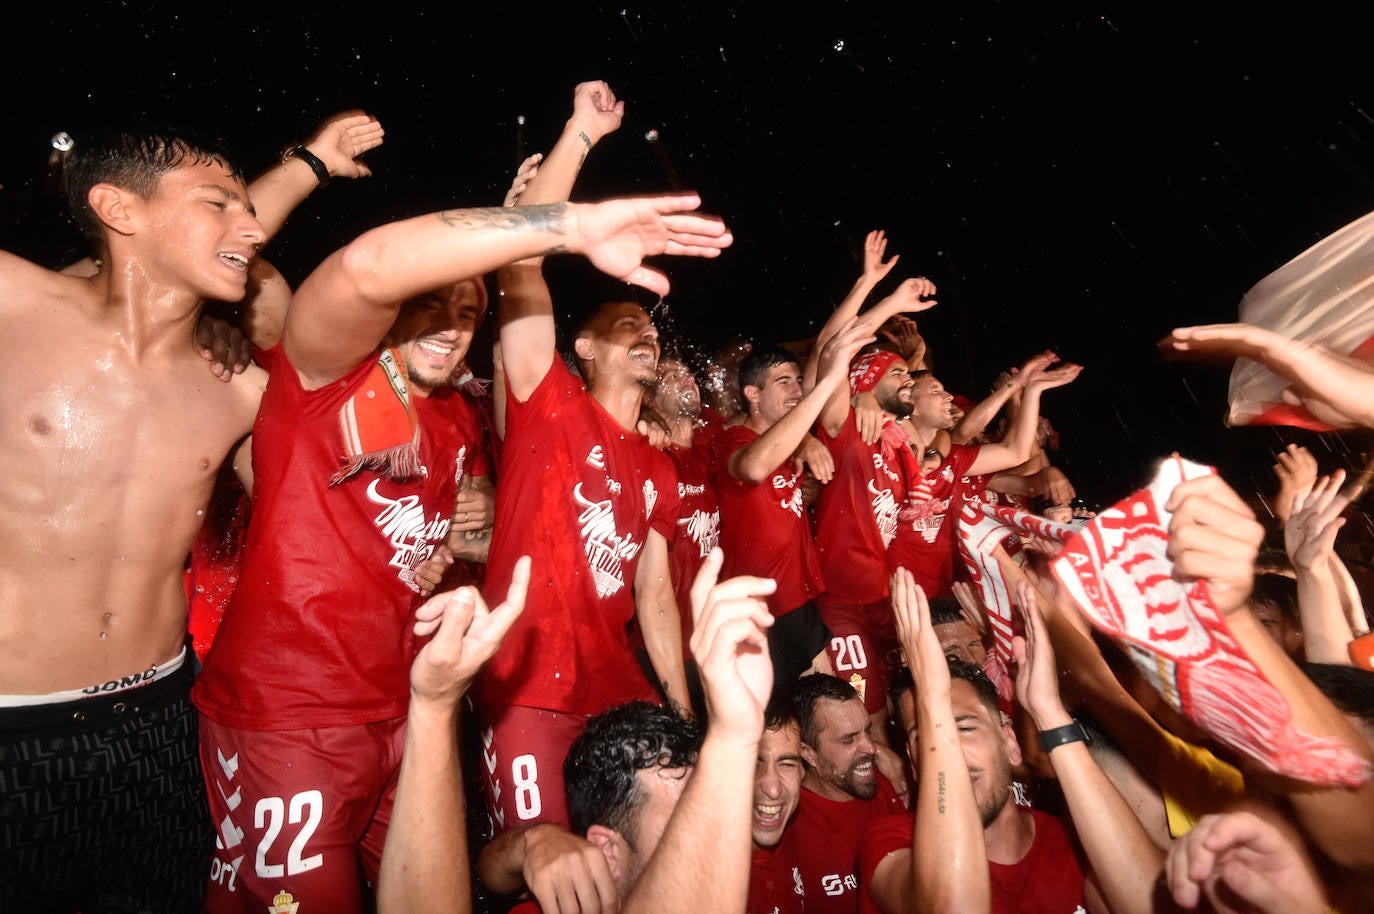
(926, 545)
(319, 631)
(828, 834)
(579, 494)
(764, 529)
(856, 519)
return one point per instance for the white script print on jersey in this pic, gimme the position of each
(607, 550)
(402, 522)
(703, 529)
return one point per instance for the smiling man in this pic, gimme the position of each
(594, 504)
(775, 883)
(113, 432)
(764, 526)
(841, 792)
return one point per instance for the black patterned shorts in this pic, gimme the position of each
(102, 803)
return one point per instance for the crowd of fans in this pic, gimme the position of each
(789, 628)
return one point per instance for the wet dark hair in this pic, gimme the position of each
(600, 770)
(1349, 688)
(780, 712)
(971, 673)
(945, 610)
(974, 676)
(1278, 590)
(808, 691)
(132, 159)
(754, 368)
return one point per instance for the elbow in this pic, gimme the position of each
(360, 266)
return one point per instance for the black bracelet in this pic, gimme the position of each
(309, 158)
(1059, 736)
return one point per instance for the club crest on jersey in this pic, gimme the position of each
(650, 498)
(283, 903)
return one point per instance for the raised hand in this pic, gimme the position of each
(1335, 388)
(1037, 678)
(970, 607)
(1213, 535)
(1309, 533)
(596, 111)
(523, 175)
(730, 645)
(340, 140)
(1297, 473)
(875, 246)
(616, 235)
(1050, 378)
(924, 656)
(901, 333)
(466, 635)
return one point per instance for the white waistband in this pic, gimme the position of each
(152, 674)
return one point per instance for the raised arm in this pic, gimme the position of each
(906, 298)
(753, 463)
(1008, 390)
(1124, 860)
(345, 307)
(425, 864)
(1309, 537)
(527, 334)
(702, 863)
(333, 151)
(1019, 442)
(1336, 389)
(874, 270)
(946, 867)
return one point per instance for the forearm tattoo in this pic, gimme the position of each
(940, 778)
(581, 135)
(548, 217)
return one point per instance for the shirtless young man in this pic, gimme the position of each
(113, 431)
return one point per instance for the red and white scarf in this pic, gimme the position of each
(378, 427)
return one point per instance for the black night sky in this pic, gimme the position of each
(1081, 177)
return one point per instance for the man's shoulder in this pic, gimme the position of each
(24, 285)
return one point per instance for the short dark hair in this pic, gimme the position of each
(808, 691)
(600, 768)
(974, 676)
(1278, 590)
(945, 610)
(971, 673)
(780, 711)
(754, 369)
(1349, 688)
(135, 160)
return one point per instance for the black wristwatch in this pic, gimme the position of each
(1058, 736)
(309, 158)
